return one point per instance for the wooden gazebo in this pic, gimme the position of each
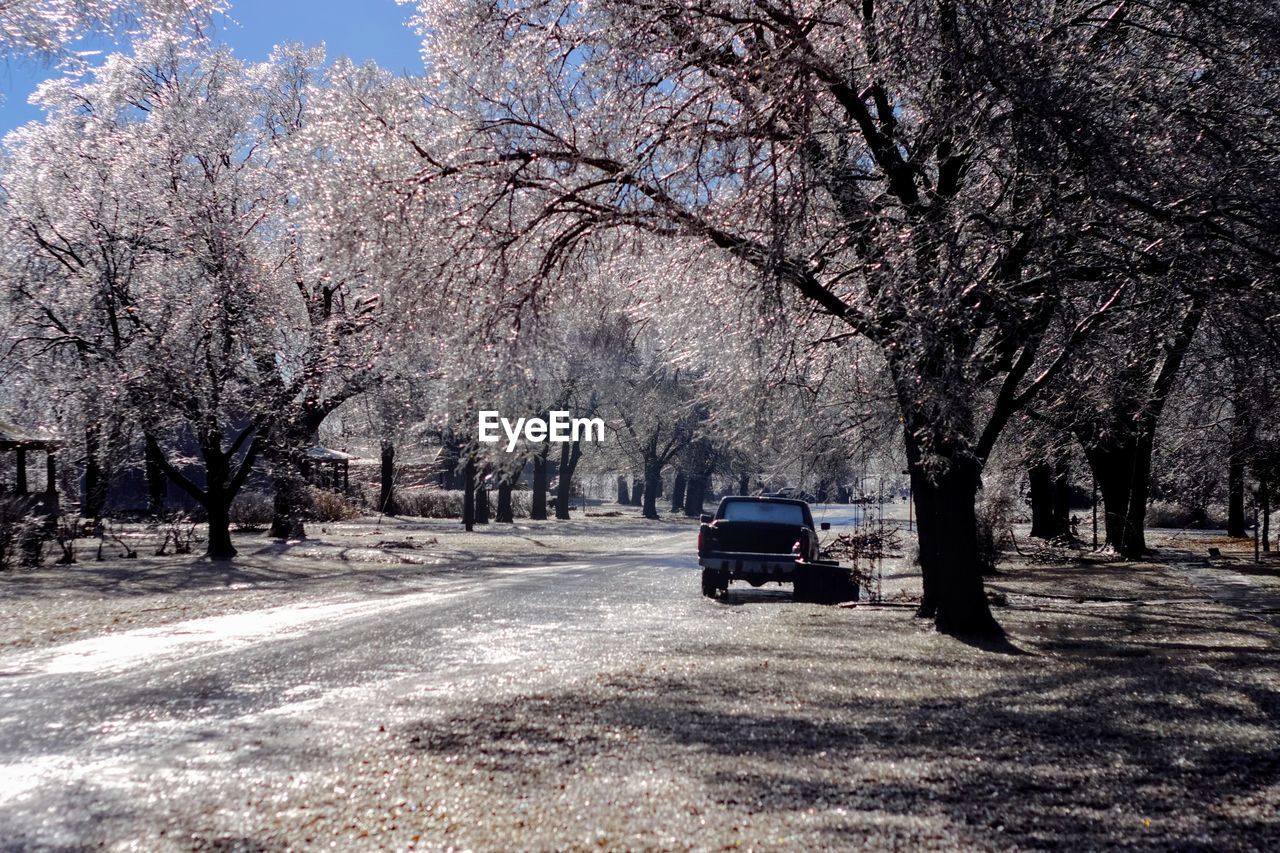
(329, 469)
(21, 443)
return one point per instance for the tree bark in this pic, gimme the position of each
(652, 485)
(695, 496)
(538, 510)
(386, 490)
(469, 496)
(677, 491)
(624, 493)
(1040, 480)
(637, 491)
(947, 530)
(505, 514)
(219, 512)
(744, 485)
(1122, 469)
(570, 454)
(482, 505)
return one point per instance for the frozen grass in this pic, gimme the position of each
(60, 603)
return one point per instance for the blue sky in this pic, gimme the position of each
(359, 29)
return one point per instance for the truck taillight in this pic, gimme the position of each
(797, 550)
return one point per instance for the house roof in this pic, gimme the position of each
(12, 437)
(328, 454)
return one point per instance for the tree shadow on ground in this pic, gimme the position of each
(1119, 739)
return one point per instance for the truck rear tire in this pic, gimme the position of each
(710, 583)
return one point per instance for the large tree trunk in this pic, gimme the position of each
(469, 496)
(1122, 469)
(1040, 480)
(652, 485)
(538, 510)
(637, 491)
(677, 491)
(695, 495)
(947, 529)
(570, 453)
(219, 512)
(624, 493)
(386, 485)
(505, 513)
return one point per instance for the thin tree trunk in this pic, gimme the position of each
(744, 485)
(386, 491)
(482, 504)
(1264, 498)
(469, 496)
(624, 493)
(637, 491)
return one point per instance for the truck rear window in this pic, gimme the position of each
(770, 513)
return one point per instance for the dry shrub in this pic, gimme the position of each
(252, 510)
(332, 506)
(21, 536)
(1170, 514)
(446, 503)
(995, 509)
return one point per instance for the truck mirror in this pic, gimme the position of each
(826, 525)
(706, 519)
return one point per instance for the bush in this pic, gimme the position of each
(331, 506)
(1170, 514)
(443, 503)
(22, 535)
(252, 510)
(995, 509)
(430, 503)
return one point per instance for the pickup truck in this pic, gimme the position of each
(762, 540)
